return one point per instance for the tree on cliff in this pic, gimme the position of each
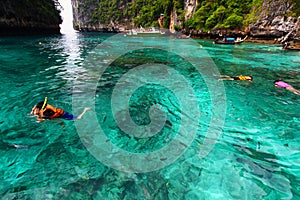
(222, 14)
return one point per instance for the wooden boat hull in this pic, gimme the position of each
(292, 48)
(229, 43)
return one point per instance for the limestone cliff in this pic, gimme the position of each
(24, 17)
(104, 15)
(269, 19)
(274, 20)
(190, 7)
(81, 15)
(90, 15)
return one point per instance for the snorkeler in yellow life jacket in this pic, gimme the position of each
(243, 78)
(239, 78)
(46, 111)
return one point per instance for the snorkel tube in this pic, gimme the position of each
(45, 102)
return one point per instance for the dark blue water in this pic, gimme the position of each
(255, 156)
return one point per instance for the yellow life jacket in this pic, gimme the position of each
(244, 78)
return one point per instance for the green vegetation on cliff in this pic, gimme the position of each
(211, 14)
(139, 12)
(29, 14)
(31, 10)
(208, 15)
(147, 12)
(296, 8)
(106, 12)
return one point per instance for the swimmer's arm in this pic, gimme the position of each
(32, 110)
(40, 119)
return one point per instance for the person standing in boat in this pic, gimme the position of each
(239, 39)
(224, 38)
(285, 45)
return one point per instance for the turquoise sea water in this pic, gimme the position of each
(256, 155)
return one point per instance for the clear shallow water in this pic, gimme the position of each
(255, 157)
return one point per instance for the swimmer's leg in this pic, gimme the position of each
(296, 91)
(83, 112)
(226, 78)
(220, 75)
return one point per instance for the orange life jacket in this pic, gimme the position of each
(58, 112)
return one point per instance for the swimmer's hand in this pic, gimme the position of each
(32, 110)
(39, 119)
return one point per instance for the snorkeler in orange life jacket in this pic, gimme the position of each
(46, 111)
(239, 78)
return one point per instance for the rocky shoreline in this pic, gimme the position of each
(276, 29)
(274, 22)
(28, 29)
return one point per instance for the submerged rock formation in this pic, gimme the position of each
(24, 17)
